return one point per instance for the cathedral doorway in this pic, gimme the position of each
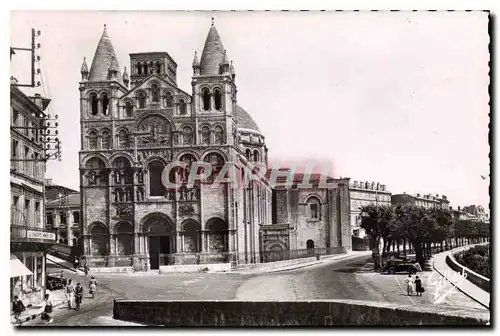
(160, 240)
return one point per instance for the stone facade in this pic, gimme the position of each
(362, 194)
(132, 127)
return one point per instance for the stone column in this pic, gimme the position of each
(178, 247)
(69, 221)
(112, 250)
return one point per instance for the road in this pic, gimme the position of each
(350, 278)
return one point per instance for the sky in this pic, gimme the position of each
(396, 98)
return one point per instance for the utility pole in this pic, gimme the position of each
(34, 58)
(39, 132)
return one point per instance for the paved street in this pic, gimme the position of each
(350, 278)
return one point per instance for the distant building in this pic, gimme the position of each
(63, 213)
(472, 212)
(365, 193)
(426, 201)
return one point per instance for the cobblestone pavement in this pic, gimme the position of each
(350, 278)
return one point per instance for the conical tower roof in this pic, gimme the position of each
(125, 74)
(104, 60)
(213, 53)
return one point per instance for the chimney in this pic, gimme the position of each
(13, 80)
(458, 208)
(48, 182)
(37, 99)
(418, 195)
(451, 208)
(437, 195)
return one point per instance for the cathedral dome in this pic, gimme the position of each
(245, 120)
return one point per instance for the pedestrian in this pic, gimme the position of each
(418, 286)
(17, 307)
(78, 295)
(86, 268)
(92, 286)
(47, 310)
(70, 291)
(76, 263)
(409, 285)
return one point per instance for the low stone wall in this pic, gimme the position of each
(195, 268)
(291, 313)
(111, 270)
(477, 279)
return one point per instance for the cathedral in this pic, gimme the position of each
(135, 122)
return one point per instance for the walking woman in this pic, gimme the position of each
(92, 286)
(78, 295)
(409, 285)
(418, 286)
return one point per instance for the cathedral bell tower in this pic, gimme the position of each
(213, 83)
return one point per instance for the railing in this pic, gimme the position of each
(270, 256)
(21, 233)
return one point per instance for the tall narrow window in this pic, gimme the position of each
(314, 208)
(158, 67)
(15, 117)
(217, 100)
(206, 100)
(256, 156)
(248, 154)
(219, 135)
(37, 214)
(142, 100)
(123, 138)
(36, 173)
(205, 135)
(139, 69)
(168, 99)
(187, 135)
(145, 69)
(155, 95)
(156, 187)
(105, 104)
(105, 140)
(76, 217)
(92, 140)
(128, 109)
(93, 104)
(27, 163)
(27, 212)
(15, 145)
(314, 211)
(182, 107)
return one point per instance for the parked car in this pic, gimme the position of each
(397, 266)
(54, 283)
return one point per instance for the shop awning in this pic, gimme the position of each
(17, 268)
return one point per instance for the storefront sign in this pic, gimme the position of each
(40, 235)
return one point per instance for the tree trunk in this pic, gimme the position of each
(418, 253)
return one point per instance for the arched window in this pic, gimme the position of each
(99, 236)
(93, 104)
(123, 139)
(155, 95)
(158, 67)
(145, 68)
(105, 140)
(219, 135)
(256, 156)
(168, 99)
(92, 140)
(105, 104)
(128, 109)
(142, 100)
(217, 162)
(139, 69)
(187, 135)
(205, 135)
(182, 107)
(156, 187)
(314, 208)
(206, 100)
(217, 100)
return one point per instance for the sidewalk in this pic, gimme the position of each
(269, 268)
(57, 297)
(463, 285)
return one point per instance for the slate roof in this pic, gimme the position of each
(71, 200)
(104, 59)
(245, 120)
(213, 53)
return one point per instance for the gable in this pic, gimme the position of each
(163, 85)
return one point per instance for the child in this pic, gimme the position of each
(47, 311)
(418, 286)
(17, 308)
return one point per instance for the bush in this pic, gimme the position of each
(476, 259)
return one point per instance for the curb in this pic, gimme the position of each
(33, 317)
(466, 294)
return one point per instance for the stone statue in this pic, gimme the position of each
(140, 177)
(92, 178)
(120, 195)
(117, 177)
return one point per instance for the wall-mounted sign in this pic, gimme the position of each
(40, 235)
